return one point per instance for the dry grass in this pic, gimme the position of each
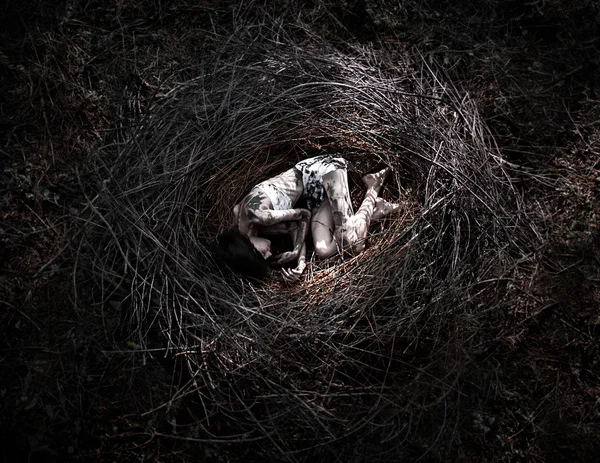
(375, 347)
(467, 329)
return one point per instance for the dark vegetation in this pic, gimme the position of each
(122, 341)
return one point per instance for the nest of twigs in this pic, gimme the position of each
(366, 356)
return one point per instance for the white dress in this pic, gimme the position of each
(280, 189)
(279, 198)
(313, 170)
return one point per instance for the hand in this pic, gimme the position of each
(293, 274)
(305, 214)
(284, 258)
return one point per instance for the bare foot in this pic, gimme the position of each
(384, 208)
(377, 179)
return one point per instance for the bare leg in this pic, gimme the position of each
(351, 229)
(362, 219)
(322, 226)
(383, 208)
(338, 192)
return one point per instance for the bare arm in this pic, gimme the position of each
(300, 237)
(281, 228)
(256, 209)
(269, 217)
(293, 274)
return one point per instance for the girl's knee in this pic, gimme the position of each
(324, 249)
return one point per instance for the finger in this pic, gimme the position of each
(296, 274)
(285, 258)
(299, 270)
(289, 276)
(291, 279)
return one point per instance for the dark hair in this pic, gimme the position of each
(240, 255)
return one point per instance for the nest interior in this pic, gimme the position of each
(382, 346)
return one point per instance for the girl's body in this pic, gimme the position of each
(323, 181)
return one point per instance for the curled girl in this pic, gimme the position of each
(269, 208)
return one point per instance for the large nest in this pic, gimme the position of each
(365, 356)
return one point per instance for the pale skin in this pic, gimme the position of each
(333, 224)
(255, 215)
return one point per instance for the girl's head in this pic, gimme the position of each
(262, 245)
(244, 255)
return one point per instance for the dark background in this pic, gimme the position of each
(67, 71)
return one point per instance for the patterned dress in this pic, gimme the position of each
(279, 198)
(313, 170)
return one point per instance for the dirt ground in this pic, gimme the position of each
(68, 70)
